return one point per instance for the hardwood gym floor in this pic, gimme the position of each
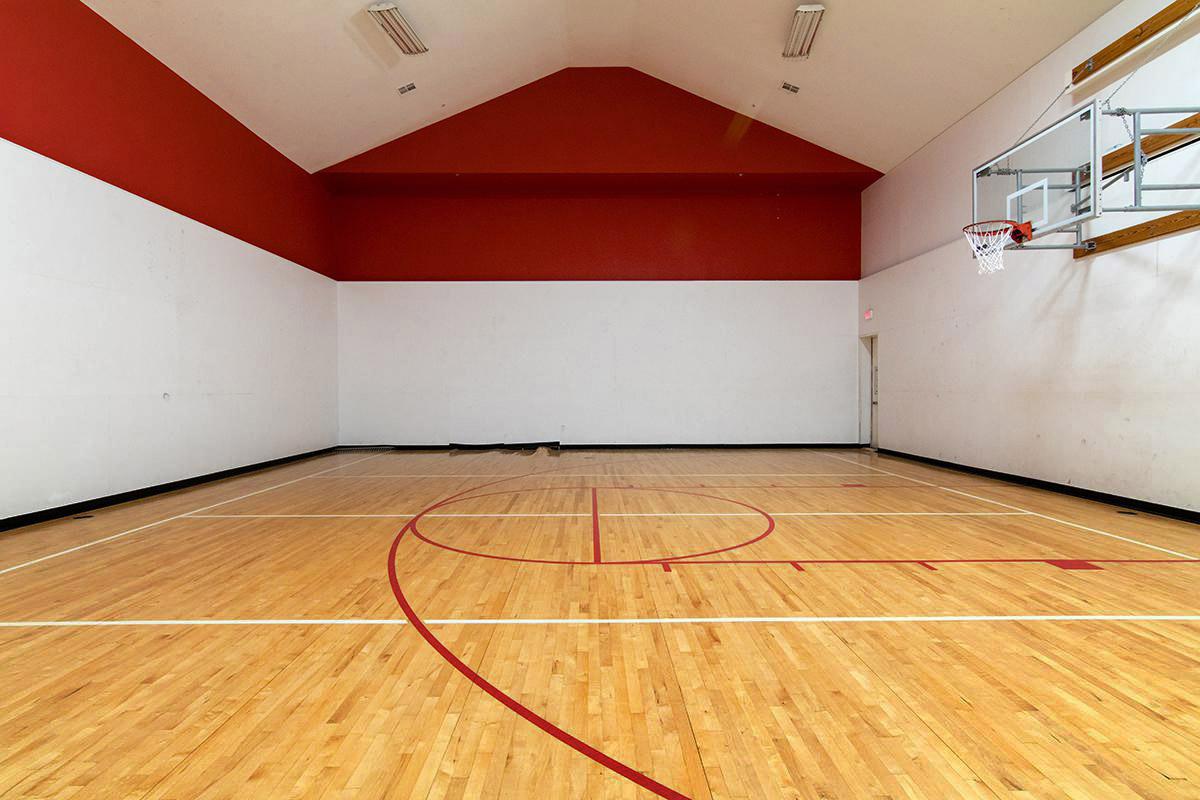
(742, 624)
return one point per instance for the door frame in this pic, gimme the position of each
(868, 377)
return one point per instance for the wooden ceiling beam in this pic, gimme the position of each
(1133, 39)
(1143, 232)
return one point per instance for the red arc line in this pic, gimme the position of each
(514, 705)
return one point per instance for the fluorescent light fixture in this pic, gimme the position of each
(396, 26)
(804, 30)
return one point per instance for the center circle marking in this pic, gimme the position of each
(416, 531)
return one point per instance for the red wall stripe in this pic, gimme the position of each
(76, 89)
(813, 236)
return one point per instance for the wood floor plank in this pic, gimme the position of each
(821, 708)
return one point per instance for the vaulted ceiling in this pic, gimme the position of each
(318, 81)
(599, 128)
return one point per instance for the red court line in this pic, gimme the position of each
(1073, 563)
(514, 705)
(1061, 563)
(595, 528)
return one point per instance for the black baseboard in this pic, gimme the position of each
(84, 506)
(1062, 488)
(442, 448)
(505, 446)
(386, 447)
(565, 446)
(713, 446)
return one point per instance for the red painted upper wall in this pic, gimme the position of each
(601, 122)
(76, 89)
(604, 237)
(598, 174)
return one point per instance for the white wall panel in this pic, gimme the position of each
(139, 347)
(586, 363)
(1088, 376)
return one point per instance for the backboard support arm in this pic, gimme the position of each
(1137, 168)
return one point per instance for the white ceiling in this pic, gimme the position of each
(317, 80)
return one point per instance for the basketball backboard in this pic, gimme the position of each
(1046, 179)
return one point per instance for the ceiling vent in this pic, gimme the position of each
(406, 89)
(804, 30)
(789, 87)
(396, 26)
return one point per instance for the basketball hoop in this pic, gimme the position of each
(988, 240)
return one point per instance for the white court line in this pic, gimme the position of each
(383, 516)
(130, 623)
(903, 514)
(624, 475)
(134, 623)
(1018, 508)
(86, 545)
(435, 475)
(636, 514)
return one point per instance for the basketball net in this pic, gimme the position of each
(988, 240)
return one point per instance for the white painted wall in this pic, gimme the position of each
(138, 346)
(1079, 372)
(608, 362)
